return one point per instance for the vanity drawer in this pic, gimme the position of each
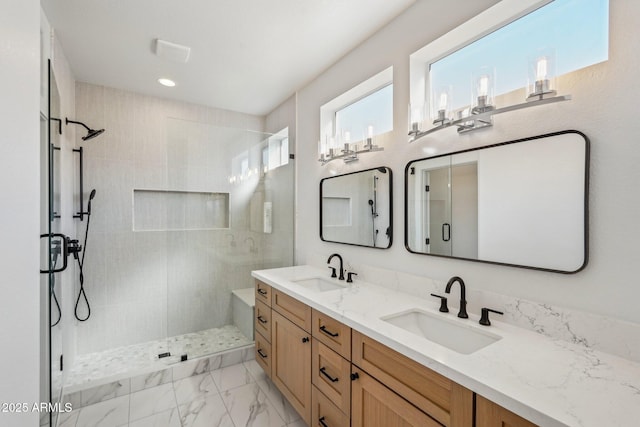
(263, 293)
(330, 373)
(294, 310)
(323, 411)
(332, 333)
(263, 320)
(263, 353)
(444, 400)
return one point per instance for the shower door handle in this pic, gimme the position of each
(446, 237)
(64, 252)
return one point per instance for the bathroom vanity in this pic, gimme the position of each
(337, 353)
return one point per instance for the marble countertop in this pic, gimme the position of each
(547, 381)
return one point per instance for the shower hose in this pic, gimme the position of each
(82, 293)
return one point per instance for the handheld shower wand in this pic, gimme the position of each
(82, 293)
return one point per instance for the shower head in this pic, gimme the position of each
(91, 133)
(370, 202)
(91, 196)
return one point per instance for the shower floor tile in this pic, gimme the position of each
(113, 364)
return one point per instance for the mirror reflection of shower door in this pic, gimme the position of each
(437, 217)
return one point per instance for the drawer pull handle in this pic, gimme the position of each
(262, 319)
(322, 423)
(305, 339)
(331, 334)
(262, 291)
(264, 356)
(323, 372)
(354, 376)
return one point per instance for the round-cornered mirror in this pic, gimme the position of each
(521, 203)
(355, 208)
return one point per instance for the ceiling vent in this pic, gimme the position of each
(172, 51)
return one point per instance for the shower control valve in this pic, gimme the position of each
(74, 247)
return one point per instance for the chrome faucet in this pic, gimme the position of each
(334, 270)
(463, 301)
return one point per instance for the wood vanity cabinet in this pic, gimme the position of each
(489, 414)
(262, 326)
(337, 377)
(291, 351)
(441, 399)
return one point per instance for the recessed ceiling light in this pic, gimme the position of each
(167, 82)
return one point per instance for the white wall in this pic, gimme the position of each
(603, 107)
(20, 214)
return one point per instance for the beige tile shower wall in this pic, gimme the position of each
(145, 285)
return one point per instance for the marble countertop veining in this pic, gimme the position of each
(547, 381)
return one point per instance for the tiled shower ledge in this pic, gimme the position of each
(96, 377)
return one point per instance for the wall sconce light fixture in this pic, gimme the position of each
(329, 150)
(540, 91)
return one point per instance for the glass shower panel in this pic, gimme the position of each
(220, 226)
(52, 256)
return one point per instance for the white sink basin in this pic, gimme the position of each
(462, 338)
(319, 284)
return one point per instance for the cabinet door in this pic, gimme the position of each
(489, 414)
(291, 364)
(444, 400)
(374, 405)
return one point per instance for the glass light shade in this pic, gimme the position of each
(416, 117)
(483, 90)
(541, 74)
(323, 147)
(368, 134)
(441, 104)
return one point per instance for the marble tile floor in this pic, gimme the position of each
(238, 395)
(123, 361)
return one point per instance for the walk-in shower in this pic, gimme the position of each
(183, 207)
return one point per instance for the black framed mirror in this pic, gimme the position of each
(356, 208)
(521, 203)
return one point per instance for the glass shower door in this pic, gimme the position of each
(52, 257)
(219, 204)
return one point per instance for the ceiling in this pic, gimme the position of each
(246, 55)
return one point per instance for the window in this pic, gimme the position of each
(275, 152)
(375, 110)
(363, 111)
(576, 29)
